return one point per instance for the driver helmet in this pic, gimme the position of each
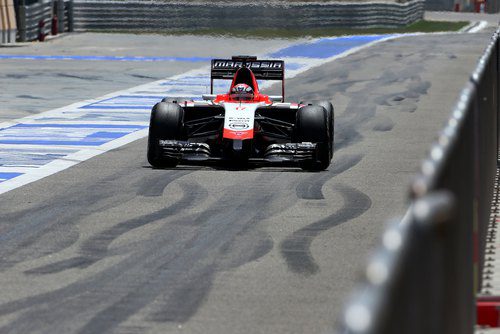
(242, 92)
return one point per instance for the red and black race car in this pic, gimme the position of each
(244, 126)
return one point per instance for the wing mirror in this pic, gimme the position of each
(276, 98)
(209, 97)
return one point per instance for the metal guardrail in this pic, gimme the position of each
(36, 19)
(63, 9)
(136, 15)
(31, 17)
(425, 276)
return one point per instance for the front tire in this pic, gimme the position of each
(166, 123)
(312, 126)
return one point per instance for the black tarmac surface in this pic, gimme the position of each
(112, 245)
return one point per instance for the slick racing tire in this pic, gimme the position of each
(166, 123)
(312, 126)
(330, 114)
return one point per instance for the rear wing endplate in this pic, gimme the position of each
(225, 69)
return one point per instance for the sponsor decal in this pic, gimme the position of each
(239, 126)
(239, 120)
(249, 64)
(240, 135)
(166, 142)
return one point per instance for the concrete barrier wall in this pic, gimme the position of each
(8, 27)
(181, 16)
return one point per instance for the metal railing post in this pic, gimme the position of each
(60, 16)
(21, 22)
(71, 18)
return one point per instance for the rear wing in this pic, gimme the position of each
(225, 69)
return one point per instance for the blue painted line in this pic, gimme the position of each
(102, 134)
(105, 58)
(31, 157)
(77, 126)
(196, 77)
(97, 106)
(184, 84)
(24, 160)
(326, 47)
(104, 116)
(65, 134)
(293, 66)
(135, 97)
(61, 142)
(184, 92)
(126, 102)
(131, 97)
(8, 176)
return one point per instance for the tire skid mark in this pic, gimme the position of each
(296, 249)
(191, 273)
(104, 189)
(47, 310)
(174, 269)
(138, 269)
(311, 188)
(407, 83)
(96, 248)
(29, 238)
(154, 186)
(28, 242)
(404, 78)
(205, 257)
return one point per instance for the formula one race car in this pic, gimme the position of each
(244, 126)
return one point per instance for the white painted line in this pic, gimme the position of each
(482, 25)
(66, 162)
(468, 27)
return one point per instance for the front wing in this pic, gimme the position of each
(288, 154)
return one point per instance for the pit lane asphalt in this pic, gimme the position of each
(33, 86)
(111, 245)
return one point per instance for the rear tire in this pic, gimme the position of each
(166, 123)
(330, 113)
(312, 126)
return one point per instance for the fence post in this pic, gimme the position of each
(71, 26)
(60, 16)
(21, 21)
